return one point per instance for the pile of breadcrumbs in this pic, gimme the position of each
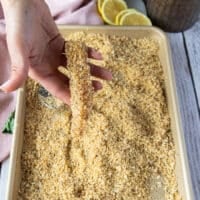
(127, 151)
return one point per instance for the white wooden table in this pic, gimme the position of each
(186, 57)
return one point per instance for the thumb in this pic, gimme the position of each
(19, 64)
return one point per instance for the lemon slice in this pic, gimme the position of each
(111, 8)
(121, 13)
(134, 18)
(99, 5)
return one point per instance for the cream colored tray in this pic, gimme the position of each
(182, 169)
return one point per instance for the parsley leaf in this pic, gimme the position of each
(9, 126)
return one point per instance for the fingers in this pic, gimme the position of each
(56, 83)
(94, 54)
(100, 72)
(19, 64)
(97, 85)
(97, 71)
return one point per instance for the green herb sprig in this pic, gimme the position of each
(9, 126)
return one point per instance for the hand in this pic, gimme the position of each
(35, 47)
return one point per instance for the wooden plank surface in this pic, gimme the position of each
(192, 41)
(4, 178)
(188, 107)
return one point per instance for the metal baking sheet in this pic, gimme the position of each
(182, 167)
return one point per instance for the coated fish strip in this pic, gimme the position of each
(80, 85)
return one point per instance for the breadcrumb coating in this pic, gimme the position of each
(127, 150)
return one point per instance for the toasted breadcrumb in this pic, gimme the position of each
(80, 85)
(127, 151)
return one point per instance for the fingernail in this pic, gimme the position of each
(98, 86)
(110, 76)
(67, 101)
(2, 87)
